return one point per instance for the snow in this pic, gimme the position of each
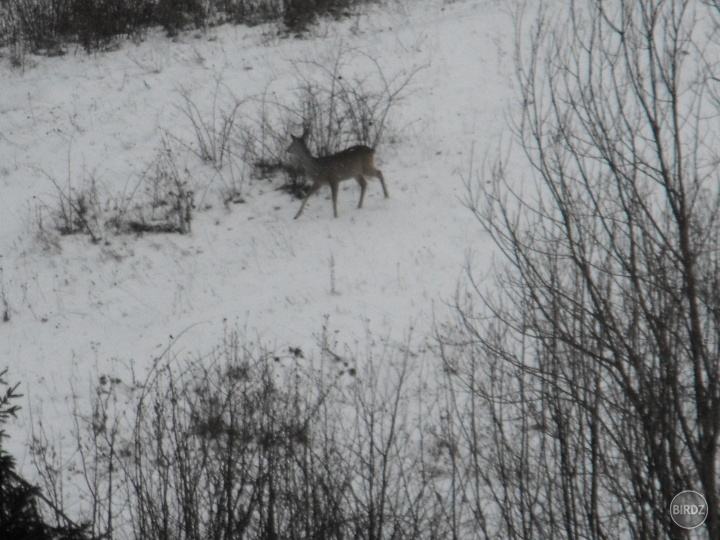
(79, 309)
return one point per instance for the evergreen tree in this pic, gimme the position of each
(20, 515)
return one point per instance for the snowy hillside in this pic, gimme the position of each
(78, 309)
(530, 357)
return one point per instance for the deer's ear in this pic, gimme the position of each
(305, 133)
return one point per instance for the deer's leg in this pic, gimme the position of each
(313, 189)
(334, 187)
(379, 174)
(363, 185)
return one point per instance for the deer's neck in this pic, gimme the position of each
(307, 160)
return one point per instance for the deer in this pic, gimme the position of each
(354, 162)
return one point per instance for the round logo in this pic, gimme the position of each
(688, 509)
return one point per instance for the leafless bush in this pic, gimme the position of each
(263, 137)
(212, 131)
(231, 446)
(77, 206)
(49, 26)
(245, 442)
(340, 107)
(36, 24)
(161, 201)
(77, 209)
(348, 99)
(583, 395)
(220, 140)
(299, 14)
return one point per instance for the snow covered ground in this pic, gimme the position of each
(79, 309)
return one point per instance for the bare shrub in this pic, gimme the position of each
(161, 201)
(247, 442)
(239, 448)
(49, 26)
(97, 23)
(216, 437)
(176, 15)
(77, 210)
(40, 24)
(215, 135)
(264, 137)
(213, 131)
(339, 107)
(299, 14)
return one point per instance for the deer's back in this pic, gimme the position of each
(349, 162)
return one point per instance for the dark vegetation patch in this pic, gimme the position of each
(51, 26)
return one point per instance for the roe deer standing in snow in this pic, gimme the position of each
(354, 162)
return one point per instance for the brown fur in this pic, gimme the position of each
(354, 162)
